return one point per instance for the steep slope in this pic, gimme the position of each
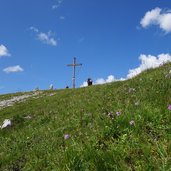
(118, 126)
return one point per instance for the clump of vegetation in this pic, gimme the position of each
(117, 126)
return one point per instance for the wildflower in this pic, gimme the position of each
(66, 136)
(132, 122)
(169, 107)
(118, 113)
(136, 103)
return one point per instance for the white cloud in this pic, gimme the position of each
(84, 84)
(147, 62)
(157, 17)
(12, 69)
(110, 79)
(151, 17)
(46, 38)
(100, 81)
(4, 51)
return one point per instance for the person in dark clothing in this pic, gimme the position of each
(89, 82)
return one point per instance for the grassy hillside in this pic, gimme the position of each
(118, 126)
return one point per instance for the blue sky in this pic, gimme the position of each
(38, 38)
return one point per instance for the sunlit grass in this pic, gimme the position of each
(117, 126)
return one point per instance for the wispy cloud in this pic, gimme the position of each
(34, 29)
(62, 17)
(57, 4)
(46, 38)
(55, 7)
(158, 17)
(13, 69)
(4, 51)
(146, 62)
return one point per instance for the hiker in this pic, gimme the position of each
(89, 81)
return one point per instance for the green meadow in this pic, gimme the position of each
(124, 125)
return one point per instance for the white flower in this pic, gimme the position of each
(132, 122)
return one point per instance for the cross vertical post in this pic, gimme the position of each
(74, 69)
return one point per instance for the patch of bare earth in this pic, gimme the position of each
(16, 99)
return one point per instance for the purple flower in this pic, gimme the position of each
(66, 136)
(132, 122)
(118, 113)
(169, 107)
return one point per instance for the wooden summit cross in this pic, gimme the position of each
(74, 68)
